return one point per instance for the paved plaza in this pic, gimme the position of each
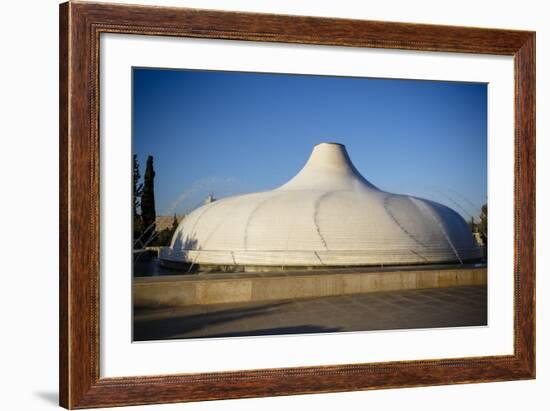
(424, 308)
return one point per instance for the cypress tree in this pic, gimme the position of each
(148, 212)
(483, 224)
(137, 189)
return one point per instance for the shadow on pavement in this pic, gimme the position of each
(175, 325)
(393, 310)
(299, 329)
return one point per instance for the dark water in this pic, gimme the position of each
(149, 266)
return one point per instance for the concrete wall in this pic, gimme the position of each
(225, 288)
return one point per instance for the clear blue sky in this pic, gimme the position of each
(230, 132)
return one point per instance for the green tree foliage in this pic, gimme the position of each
(482, 226)
(175, 224)
(165, 236)
(473, 225)
(148, 212)
(137, 190)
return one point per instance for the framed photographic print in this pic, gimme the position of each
(257, 205)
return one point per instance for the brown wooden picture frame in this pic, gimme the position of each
(80, 27)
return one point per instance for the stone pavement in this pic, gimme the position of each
(424, 308)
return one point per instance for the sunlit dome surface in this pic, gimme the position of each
(327, 215)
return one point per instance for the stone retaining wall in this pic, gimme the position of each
(180, 290)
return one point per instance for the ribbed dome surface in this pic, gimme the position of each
(327, 215)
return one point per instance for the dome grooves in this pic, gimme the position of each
(327, 215)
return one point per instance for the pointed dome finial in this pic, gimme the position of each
(329, 166)
(330, 155)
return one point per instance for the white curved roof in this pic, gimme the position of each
(327, 215)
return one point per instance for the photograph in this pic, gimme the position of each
(277, 203)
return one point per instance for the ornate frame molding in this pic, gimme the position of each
(80, 27)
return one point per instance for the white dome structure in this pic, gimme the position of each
(328, 215)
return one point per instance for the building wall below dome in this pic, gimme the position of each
(272, 260)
